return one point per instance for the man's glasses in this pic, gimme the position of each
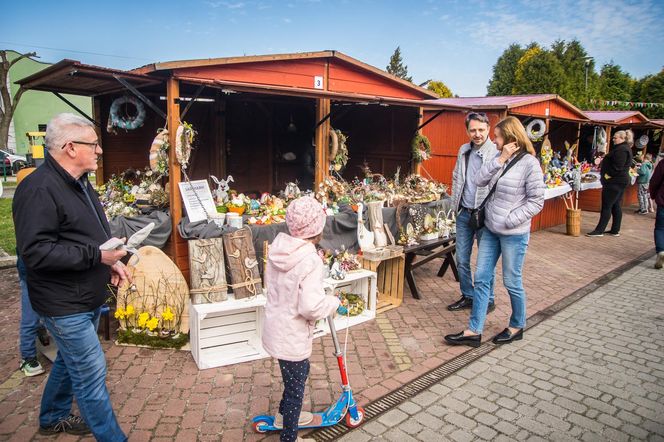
(94, 144)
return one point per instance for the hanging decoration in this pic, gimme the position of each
(338, 150)
(421, 148)
(184, 139)
(536, 134)
(127, 122)
(159, 152)
(626, 103)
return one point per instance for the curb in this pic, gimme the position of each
(7, 262)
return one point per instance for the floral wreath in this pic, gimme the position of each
(184, 139)
(533, 134)
(338, 150)
(127, 122)
(421, 148)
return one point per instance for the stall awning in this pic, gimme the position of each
(622, 118)
(73, 77)
(234, 86)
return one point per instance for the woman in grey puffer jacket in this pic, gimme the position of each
(518, 197)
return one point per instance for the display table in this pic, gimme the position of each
(228, 332)
(390, 273)
(360, 282)
(429, 250)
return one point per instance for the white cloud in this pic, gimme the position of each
(228, 5)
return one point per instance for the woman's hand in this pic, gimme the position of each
(508, 150)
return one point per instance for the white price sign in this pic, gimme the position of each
(318, 82)
(196, 196)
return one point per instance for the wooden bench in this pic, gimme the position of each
(429, 250)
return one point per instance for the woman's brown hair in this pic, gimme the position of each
(513, 131)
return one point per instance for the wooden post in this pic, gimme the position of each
(417, 167)
(578, 141)
(322, 141)
(96, 115)
(178, 246)
(608, 138)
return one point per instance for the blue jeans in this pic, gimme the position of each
(513, 250)
(659, 229)
(79, 371)
(30, 322)
(464, 248)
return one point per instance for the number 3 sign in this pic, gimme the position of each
(318, 82)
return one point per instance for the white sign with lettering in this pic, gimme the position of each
(318, 82)
(196, 196)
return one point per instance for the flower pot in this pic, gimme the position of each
(429, 236)
(239, 210)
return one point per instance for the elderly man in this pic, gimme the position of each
(60, 225)
(466, 197)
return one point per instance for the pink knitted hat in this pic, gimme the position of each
(305, 217)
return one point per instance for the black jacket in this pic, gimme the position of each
(616, 164)
(58, 237)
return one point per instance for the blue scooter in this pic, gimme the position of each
(345, 406)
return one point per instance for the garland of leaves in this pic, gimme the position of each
(421, 148)
(338, 150)
(183, 142)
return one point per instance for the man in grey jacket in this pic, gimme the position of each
(466, 196)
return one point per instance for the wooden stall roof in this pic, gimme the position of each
(342, 74)
(620, 118)
(658, 122)
(74, 77)
(538, 105)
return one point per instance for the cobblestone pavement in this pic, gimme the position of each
(161, 395)
(593, 372)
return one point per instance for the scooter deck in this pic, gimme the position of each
(317, 422)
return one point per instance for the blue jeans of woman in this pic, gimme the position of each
(295, 376)
(30, 322)
(79, 371)
(465, 236)
(512, 248)
(659, 229)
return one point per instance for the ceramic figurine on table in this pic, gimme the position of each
(221, 192)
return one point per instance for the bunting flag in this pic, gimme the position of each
(626, 103)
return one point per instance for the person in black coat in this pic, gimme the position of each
(615, 179)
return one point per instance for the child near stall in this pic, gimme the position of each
(645, 171)
(295, 301)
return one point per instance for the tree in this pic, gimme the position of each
(440, 88)
(538, 72)
(396, 66)
(614, 83)
(502, 81)
(8, 103)
(650, 89)
(579, 68)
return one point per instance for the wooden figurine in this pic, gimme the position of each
(207, 271)
(242, 263)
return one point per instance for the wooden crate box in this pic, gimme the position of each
(229, 332)
(390, 280)
(362, 282)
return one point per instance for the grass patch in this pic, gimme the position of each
(7, 236)
(129, 337)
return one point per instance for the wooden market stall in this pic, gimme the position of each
(447, 132)
(256, 118)
(612, 121)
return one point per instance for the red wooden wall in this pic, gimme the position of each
(345, 77)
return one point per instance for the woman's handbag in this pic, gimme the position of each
(478, 215)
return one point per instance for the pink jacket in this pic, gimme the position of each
(295, 298)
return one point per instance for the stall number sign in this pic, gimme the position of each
(318, 82)
(196, 196)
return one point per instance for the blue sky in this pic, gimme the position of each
(454, 41)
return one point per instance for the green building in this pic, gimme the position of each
(35, 108)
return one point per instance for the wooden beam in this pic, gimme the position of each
(578, 141)
(417, 167)
(178, 246)
(322, 141)
(96, 115)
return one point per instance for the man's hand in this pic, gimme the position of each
(119, 274)
(110, 257)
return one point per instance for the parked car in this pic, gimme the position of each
(16, 162)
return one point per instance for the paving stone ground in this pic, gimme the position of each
(161, 395)
(593, 372)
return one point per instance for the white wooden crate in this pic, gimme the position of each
(228, 332)
(362, 282)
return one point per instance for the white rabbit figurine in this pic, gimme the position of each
(221, 192)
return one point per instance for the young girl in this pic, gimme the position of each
(295, 301)
(645, 171)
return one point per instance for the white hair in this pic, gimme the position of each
(62, 127)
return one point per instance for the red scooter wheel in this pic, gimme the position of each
(257, 426)
(352, 423)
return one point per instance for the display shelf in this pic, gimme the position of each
(361, 282)
(390, 273)
(228, 332)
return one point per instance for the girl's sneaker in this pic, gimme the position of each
(31, 367)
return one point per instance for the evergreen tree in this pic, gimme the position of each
(538, 72)
(650, 89)
(502, 81)
(614, 83)
(440, 88)
(580, 79)
(396, 66)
